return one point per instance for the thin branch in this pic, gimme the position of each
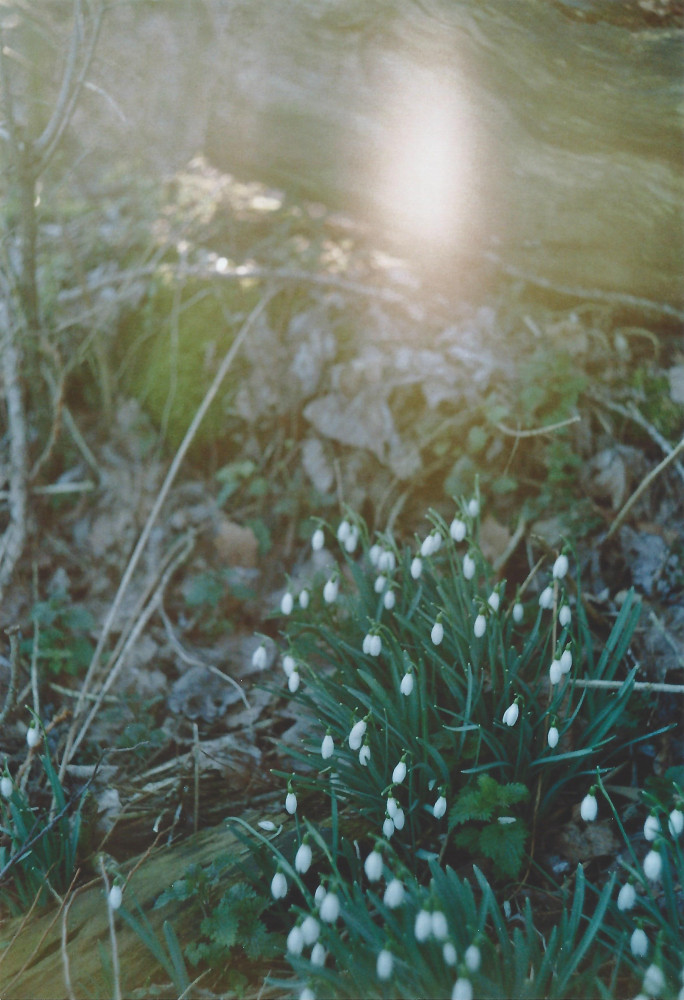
(536, 431)
(15, 534)
(642, 487)
(637, 686)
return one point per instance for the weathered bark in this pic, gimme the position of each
(572, 131)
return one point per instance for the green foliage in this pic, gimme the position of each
(502, 838)
(64, 644)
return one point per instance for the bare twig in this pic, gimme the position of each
(642, 487)
(536, 431)
(13, 634)
(15, 533)
(196, 773)
(632, 413)
(36, 646)
(637, 686)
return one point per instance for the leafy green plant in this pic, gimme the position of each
(484, 808)
(64, 644)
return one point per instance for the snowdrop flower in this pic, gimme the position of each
(564, 616)
(423, 925)
(407, 684)
(480, 626)
(552, 737)
(675, 823)
(386, 561)
(374, 554)
(380, 584)
(651, 827)
(373, 866)
(437, 633)
(468, 567)
(510, 716)
(267, 824)
(358, 731)
(6, 787)
(654, 981)
(287, 604)
(364, 755)
(115, 897)
(352, 540)
(33, 736)
(560, 567)
(304, 600)
(318, 954)
(394, 894)
(440, 928)
(457, 529)
(319, 895)
(259, 657)
(472, 958)
(389, 600)
(449, 953)
(505, 820)
(293, 681)
(653, 865)
(416, 568)
(546, 598)
(279, 886)
(291, 803)
(474, 507)
(327, 747)
(392, 806)
(638, 943)
(343, 532)
(375, 645)
(555, 671)
(399, 819)
(439, 808)
(463, 989)
(431, 544)
(331, 590)
(387, 828)
(303, 858)
(307, 994)
(589, 808)
(626, 897)
(317, 540)
(384, 964)
(365, 645)
(518, 612)
(565, 661)
(399, 773)
(295, 941)
(310, 929)
(494, 600)
(330, 908)
(289, 664)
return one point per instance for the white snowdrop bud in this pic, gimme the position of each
(317, 540)
(330, 591)
(364, 755)
(436, 542)
(289, 665)
(392, 807)
(384, 964)
(546, 598)
(416, 567)
(6, 787)
(473, 507)
(310, 929)
(399, 819)
(307, 994)
(394, 894)
(638, 943)
(343, 532)
(115, 897)
(386, 561)
(318, 954)
(426, 547)
(555, 672)
(304, 599)
(407, 684)
(373, 866)
(552, 738)
(626, 897)
(398, 774)
(651, 827)
(33, 737)
(440, 807)
(463, 989)
(267, 825)
(423, 925)
(510, 716)
(287, 604)
(389, 600)
(279, 886)
(387, 828)
(560, 567)
(449, 953)
(518, 612)
(352, 540)
(480, 626)
(293, 681)
(380, 584)
(437, 633)
(457, 529)
(330, 908)
(440, 928)
(589, 808)
(374, 554)
(472, 958)
(564, 616)
(653, 866)
(291, 803)
(295, 941)
(327, 747)
(259, 658)
(675, 823)
(494, 600)
(319, 895)
(365, 645)
(375, 645)
(565, 661)
(654, 981)
(468, 567)
(303, 859)
(358, 731)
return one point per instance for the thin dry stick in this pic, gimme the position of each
(66, 972)
(15, 534)
(196, 755)
(535, 431)
(637, 686)
(36, 645)
(116, 972)
(642, 487)
(13, 633)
